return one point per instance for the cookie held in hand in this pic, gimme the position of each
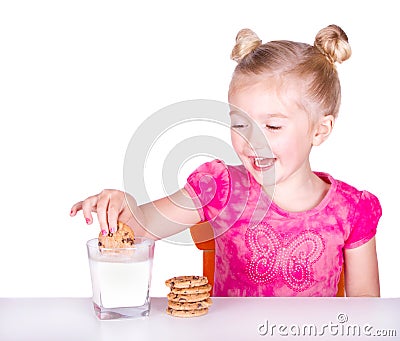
(122, 238)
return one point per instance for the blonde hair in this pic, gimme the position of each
(313, 64)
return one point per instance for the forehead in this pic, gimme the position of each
(268, 96)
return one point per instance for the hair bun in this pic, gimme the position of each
(333, 43)
(246, 42)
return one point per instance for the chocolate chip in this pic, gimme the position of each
(110, 234)
(126, 233)
(100, 244)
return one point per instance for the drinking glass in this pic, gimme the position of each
(121, 279)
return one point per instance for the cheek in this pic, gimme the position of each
(237, 141)
(289, 146)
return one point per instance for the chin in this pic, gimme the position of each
(265, 178)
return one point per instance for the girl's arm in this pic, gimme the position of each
(158, 219)
(361, 270)
(169, 215)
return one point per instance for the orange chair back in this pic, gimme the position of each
(203, 236)
(340, 292)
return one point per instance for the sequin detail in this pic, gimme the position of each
(276, 256)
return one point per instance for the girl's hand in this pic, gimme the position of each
(155, 220)
(111, 206)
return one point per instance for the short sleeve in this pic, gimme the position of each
(366, 217)
(209, 188)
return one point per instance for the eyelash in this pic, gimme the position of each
(272, 127)
(239, 126)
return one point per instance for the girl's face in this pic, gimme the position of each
(271, 132)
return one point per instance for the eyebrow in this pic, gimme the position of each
(274, 115)
(279, 115)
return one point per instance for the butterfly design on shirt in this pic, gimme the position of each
(289, 259)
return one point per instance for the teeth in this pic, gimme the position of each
(264, 162)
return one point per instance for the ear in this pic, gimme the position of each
(323, 129)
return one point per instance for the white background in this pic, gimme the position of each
(78, 77)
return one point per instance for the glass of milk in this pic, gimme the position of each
(121, 279)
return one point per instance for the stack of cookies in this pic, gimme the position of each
(189, 296)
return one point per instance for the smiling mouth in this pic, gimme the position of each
(263, 163)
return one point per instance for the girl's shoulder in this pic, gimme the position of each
(358, 211)
(210, 185)
(347, 194)
(219, 171)
(360, 208)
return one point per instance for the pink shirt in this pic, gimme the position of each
(263, 250)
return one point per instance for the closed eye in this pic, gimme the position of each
(273, 127)
(238, 126)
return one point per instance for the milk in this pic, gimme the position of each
(120, 282)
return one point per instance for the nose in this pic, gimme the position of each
(257, 140)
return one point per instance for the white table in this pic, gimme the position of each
(73, 319)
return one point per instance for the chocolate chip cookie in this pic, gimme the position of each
(186, 281)
(122, 238)
(187, 313)
(189, 296)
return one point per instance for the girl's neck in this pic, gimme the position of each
(302, 191)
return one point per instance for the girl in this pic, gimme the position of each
(281, 229)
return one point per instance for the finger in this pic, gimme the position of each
(102, 207)
(112, 217)
(76, 208)
(89, 206)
